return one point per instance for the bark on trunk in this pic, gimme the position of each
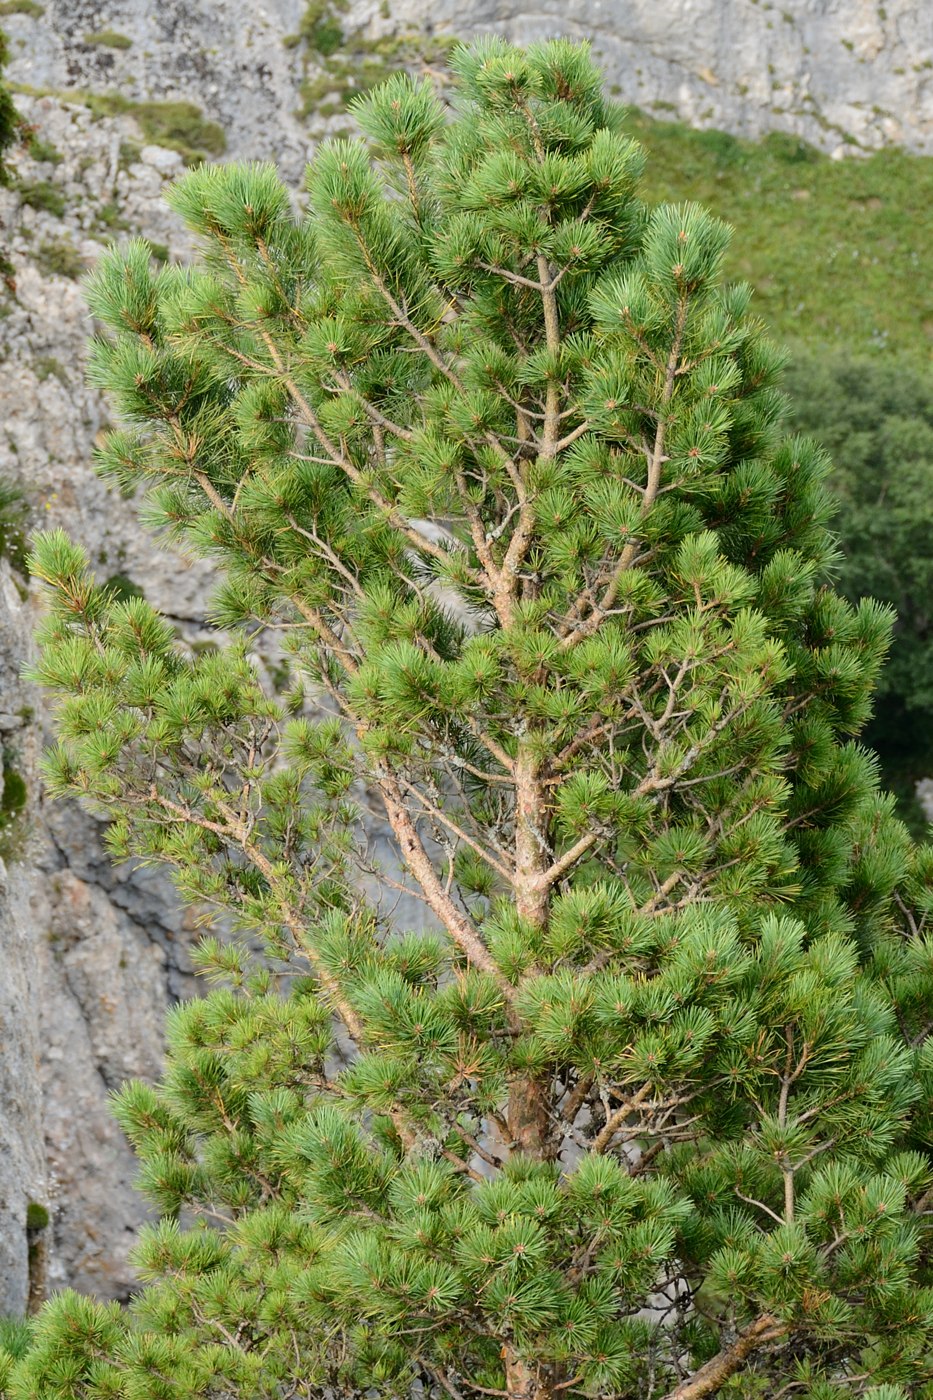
(525, 1382)
(529, 1107)
(532, 858)
(529, 1118)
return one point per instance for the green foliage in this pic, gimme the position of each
(123, 588)
(9, 123)
(355, 65)
(14, 1344)
(42, 150)
(48, 367)
(643, 1112)
(179, 125)
(14, 521)
(108, 39)
(877, 421)
(320, 26)
(37, 1216)
(58, 257)
(832, 247)
(13, 798)
(21, 7)
(130, 152)
(43, 195)
(111, 218)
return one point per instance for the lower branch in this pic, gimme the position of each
(725, 1363)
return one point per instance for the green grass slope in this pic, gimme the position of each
(839, 251)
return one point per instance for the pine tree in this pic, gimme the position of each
(643, 1110)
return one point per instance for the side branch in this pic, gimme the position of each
(568, 859)
(234, 832)
(340, 459)
(725, 1363)
(656, 461)
(461, 929)
(336, 456)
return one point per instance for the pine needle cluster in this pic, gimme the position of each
(643, 1110)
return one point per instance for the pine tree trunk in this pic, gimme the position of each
(529, 1107)
(529, 1118)
(525, 1383)
(532, 857)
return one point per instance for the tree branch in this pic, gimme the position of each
(461, 929)
(725, 1363)
(569, 858)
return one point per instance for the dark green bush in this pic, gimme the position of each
(42, 194)
(8, 117)
(58, 257)
(875, 417)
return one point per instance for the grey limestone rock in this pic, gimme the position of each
(843, 74)
(226, 56)
(23, 1167)
(90, 955)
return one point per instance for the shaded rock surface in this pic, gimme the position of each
(23, 1169)
(90, 956)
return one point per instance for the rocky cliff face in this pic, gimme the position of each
(225, 56)
(23, 1172)
(118, 96)
(840, 73)
(837, 72)
(89, 955)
